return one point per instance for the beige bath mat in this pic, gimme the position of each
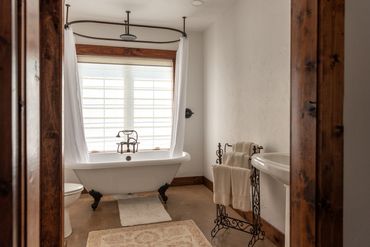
(142, 210)
(169, 234)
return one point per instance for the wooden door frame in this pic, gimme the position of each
(20, 123)
(51, 105)
(317, 84)
(9, 153)
(317, 88)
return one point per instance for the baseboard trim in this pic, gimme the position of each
(272, 233)
(208, 183)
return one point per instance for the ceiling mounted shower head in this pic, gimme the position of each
(127, 36)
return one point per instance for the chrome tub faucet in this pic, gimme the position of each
(130, 138)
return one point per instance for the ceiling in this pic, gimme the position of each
(151, 12)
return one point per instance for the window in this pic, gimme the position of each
(120, 94)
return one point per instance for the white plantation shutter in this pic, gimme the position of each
(126, 94)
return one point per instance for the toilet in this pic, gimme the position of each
(72, 192)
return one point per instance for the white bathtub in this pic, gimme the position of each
(111, 174)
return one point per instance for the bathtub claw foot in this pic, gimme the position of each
(162, 192)
(97, 196)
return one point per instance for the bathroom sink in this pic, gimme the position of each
(276, 165)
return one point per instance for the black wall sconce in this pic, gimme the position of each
(188, 113)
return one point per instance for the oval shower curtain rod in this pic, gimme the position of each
(127, 36)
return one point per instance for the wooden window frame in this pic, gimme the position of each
(114, 51)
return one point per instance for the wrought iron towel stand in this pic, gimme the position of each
(223, 221)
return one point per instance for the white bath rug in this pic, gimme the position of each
(142, 210)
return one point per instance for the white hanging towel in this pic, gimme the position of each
(243, 147)
(221, 184)
(236, 159)
(240, 188)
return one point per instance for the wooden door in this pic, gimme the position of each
(19, 124)
(317, 85)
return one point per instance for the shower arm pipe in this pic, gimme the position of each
(126, 28)
(127, 22)
(70, 23)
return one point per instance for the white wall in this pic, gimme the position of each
(194, 138)
(247, 87)
(357, 124)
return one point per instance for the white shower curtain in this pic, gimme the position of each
(181, 76)
(75, 148)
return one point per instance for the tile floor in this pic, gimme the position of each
(185, 202)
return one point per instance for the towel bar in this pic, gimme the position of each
(223, 221)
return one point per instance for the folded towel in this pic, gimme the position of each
(243, 147)
(240, 188)
(236, 159)
(221, 184)
(238, 147)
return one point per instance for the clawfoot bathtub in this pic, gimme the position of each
(111, 174)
